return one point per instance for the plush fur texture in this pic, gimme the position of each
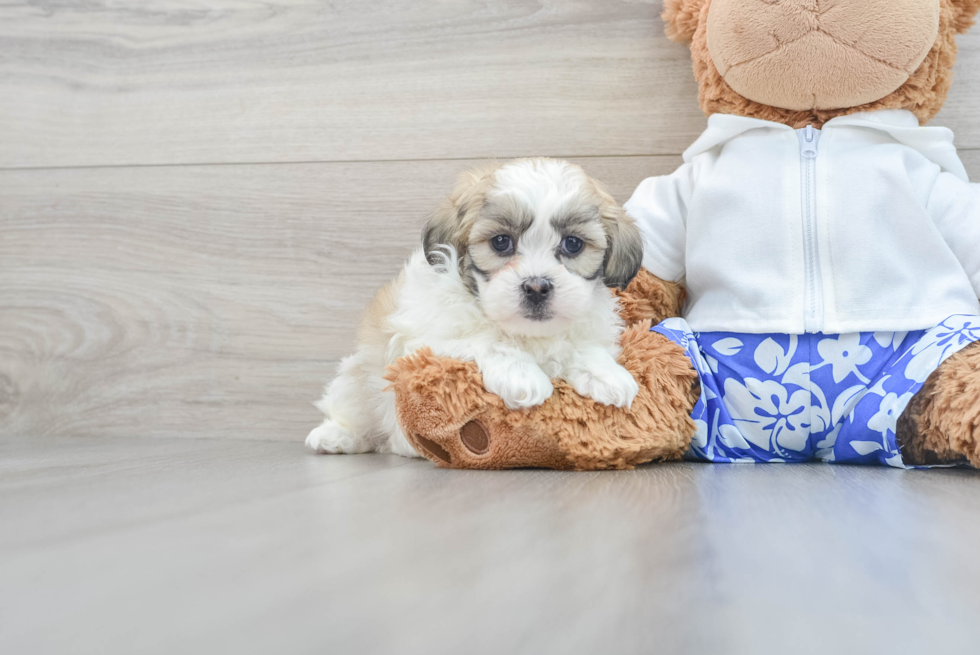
(965, 14)
(648, 298)
(923, 93)
(449, 417)
(681, 18)
(942, 423)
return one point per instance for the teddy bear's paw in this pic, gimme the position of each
(465, 447)
(519, 384)
(330, 437)
(608, 385)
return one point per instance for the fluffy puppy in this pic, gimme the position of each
(512, 275)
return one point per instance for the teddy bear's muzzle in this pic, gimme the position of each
(819, 54)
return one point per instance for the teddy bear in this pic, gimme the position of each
(810, 275)
(448, 417)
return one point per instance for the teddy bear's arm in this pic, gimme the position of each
(648, 299)
(660, 207)
(955, 208)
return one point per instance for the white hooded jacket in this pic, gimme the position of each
(868, 224)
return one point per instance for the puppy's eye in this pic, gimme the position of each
(572, 245)
(502, 243)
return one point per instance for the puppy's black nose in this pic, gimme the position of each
(537, 290)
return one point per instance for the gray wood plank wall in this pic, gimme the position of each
(198, 198)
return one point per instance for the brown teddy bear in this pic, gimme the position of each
(449, 418)
(829, 246)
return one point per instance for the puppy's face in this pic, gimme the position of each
(538, 242)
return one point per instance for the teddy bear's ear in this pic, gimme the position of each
(966, 13)
(681, 18)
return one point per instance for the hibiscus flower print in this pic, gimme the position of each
(939, 343)
(792, 398)
(890, 339)
(845, 354)
(767, 415)
(892, 406)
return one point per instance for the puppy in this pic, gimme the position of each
(512, 275)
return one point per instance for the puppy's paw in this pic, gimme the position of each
(330, 437)
(609, 385)
(519, 384)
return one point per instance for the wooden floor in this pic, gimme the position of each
(197, 199)
(208, 546)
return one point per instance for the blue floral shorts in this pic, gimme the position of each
(793, 398)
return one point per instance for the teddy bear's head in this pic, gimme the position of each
(803, 62)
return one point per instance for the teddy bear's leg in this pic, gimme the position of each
(449, 418)
(478, 434)
(942, 423)
(567, 431)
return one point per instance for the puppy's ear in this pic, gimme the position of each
(681, 19)
(450, 223)
(624, 247)
(966, 14)
(443, 227)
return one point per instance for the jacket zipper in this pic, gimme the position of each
(813, 290)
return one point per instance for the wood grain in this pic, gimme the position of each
(108, 83)
(177, 546)
(202, 300)
(224, 81)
